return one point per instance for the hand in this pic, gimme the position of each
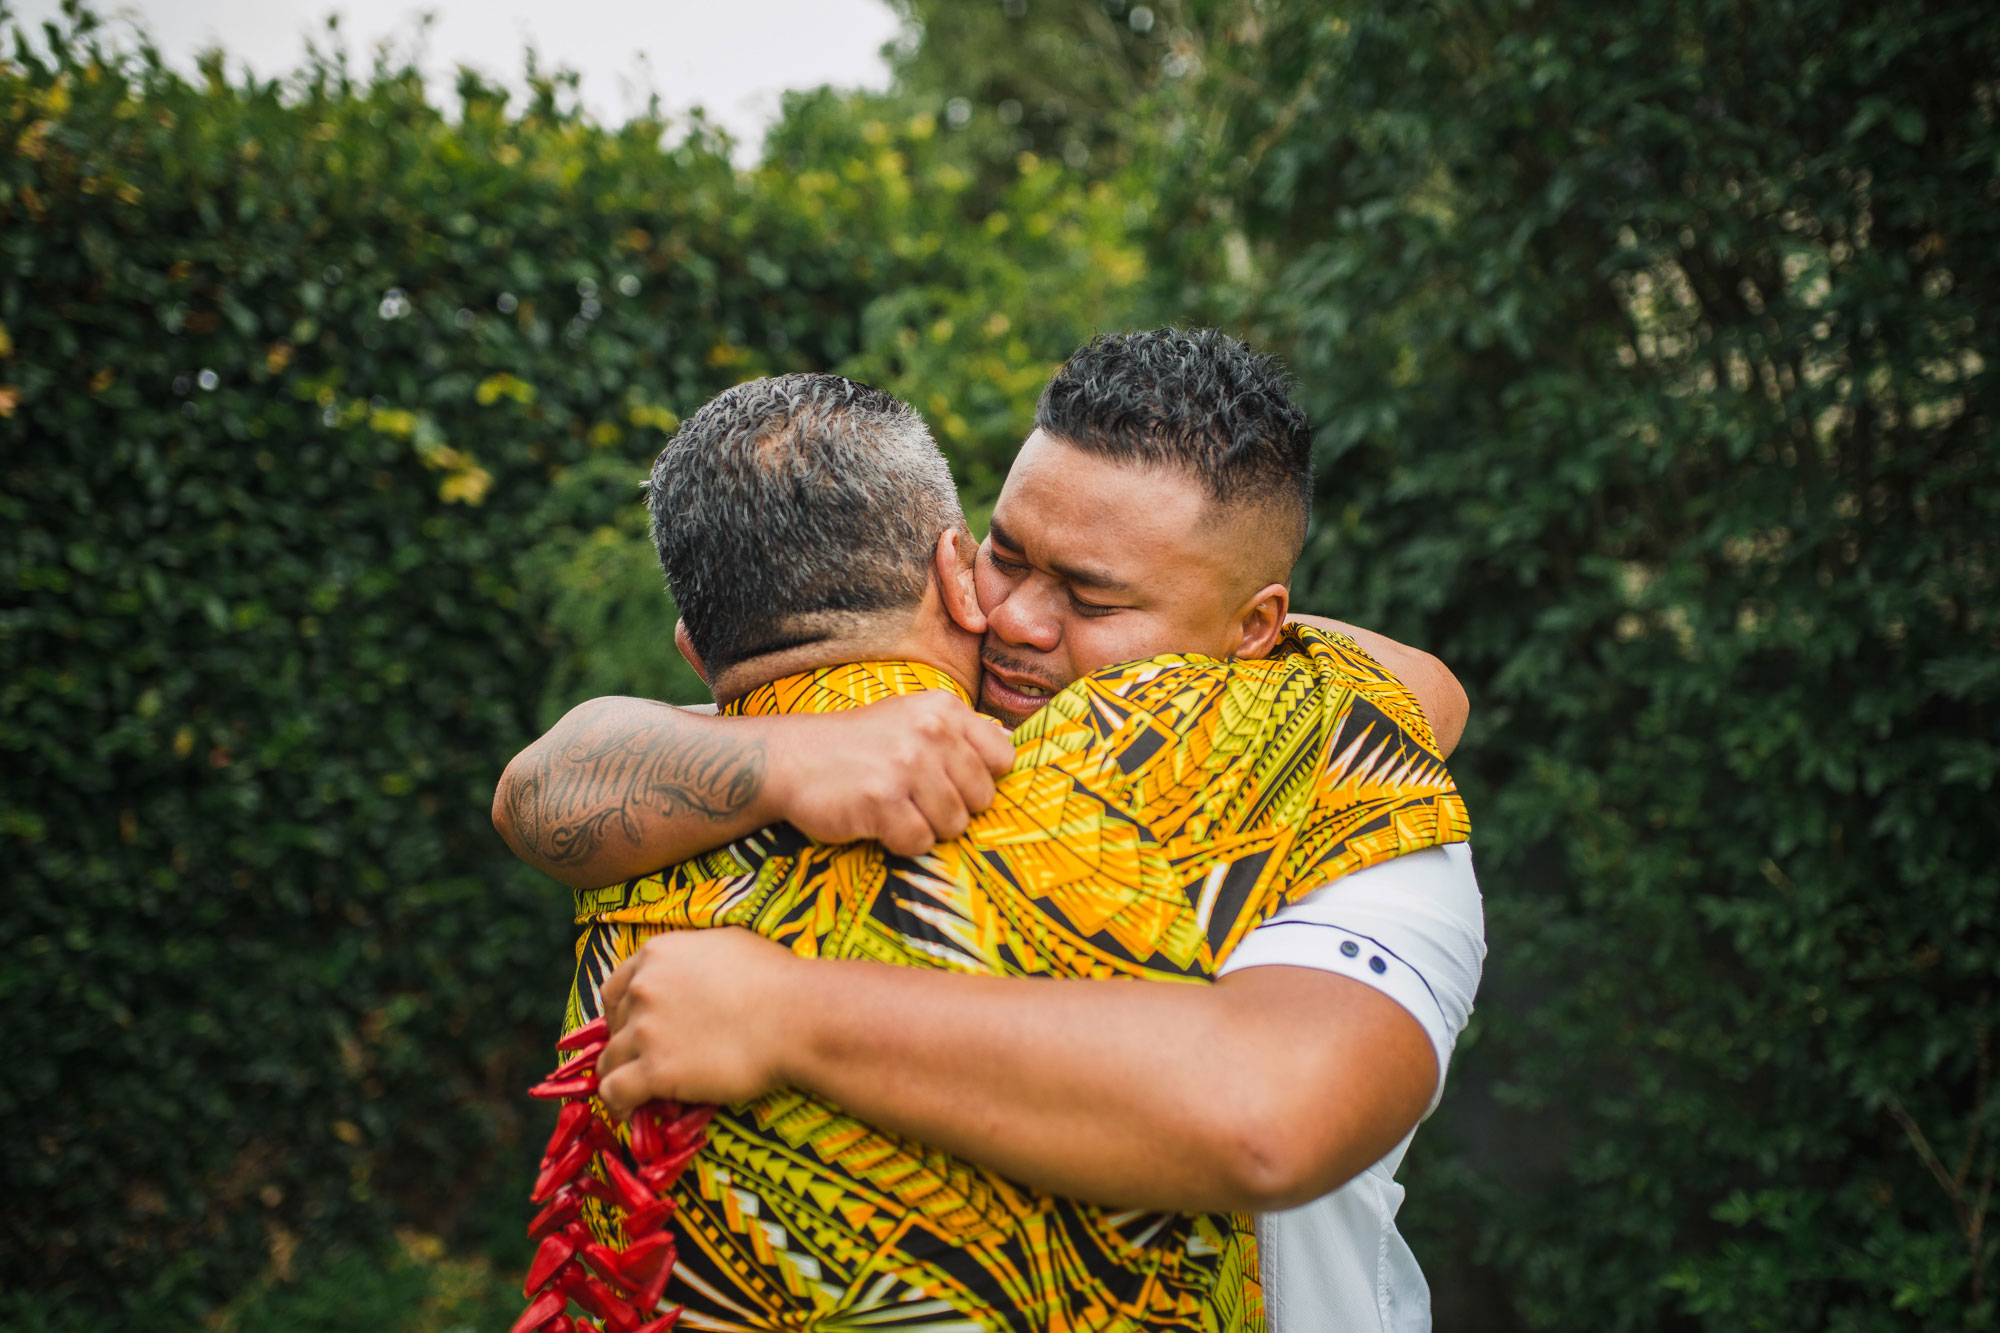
(906, 771)
(695, 1016)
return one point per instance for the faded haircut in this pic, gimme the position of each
(787, 507)
(1198, 401)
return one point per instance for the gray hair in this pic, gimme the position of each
(786, 507)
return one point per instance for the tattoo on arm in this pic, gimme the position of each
(585, 788)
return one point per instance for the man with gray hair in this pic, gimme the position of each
(815, 540)
(1244, 807)
(774, 552)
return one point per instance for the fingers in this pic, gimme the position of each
(970, 782)
(910, 771)
(905, 829)
(993, 745)
(620, 992)
(700, 1018)
(624, 1089)
(611, 997)
(938, 799)
(951, 777)
(621, 1076)
(622, 1049)
(630, 998)
(952, 725)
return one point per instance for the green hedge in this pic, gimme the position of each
(1655, 360)
(320, 416)
(287, 379)
(1653, 353)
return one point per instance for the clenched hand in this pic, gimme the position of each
(908, 771)
(695, 1016)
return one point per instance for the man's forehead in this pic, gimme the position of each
(1104, 523)
(1043, 457)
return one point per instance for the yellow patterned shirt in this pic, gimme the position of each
(1155, 814)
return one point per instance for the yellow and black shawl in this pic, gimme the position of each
(1155, 814)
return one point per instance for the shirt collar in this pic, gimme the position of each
(834, 689)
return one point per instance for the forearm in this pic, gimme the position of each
(621, 787)
(1127, 1093)
(1430, 680)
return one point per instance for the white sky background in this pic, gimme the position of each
(732, 57)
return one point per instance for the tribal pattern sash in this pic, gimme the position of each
(1155, 814)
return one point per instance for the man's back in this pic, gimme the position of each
(1157, 813)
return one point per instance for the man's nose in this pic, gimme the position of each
(1025, 619)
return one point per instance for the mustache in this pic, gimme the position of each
(999, 660)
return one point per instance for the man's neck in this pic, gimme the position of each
(958, 660)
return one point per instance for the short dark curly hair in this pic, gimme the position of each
(1193, 399)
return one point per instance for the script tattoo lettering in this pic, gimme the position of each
(597, 784)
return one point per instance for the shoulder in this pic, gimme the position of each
(1342, 662)
(1412, 927)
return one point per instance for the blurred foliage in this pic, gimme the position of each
(321, 418)
(1652, 350)
(288, 375)
(989, 296)
(1060, 80)
(596, 575)
(413, 1287)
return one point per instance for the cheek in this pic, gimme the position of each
(1107, 641)
(989, 586)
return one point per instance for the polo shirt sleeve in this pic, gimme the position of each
(1411, 927)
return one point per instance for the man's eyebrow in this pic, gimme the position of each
(1078, 574)
(1090, 578)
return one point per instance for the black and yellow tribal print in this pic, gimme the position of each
(1156, 813)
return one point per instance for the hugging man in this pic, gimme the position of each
(1157, 819)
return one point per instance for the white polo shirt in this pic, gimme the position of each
(1413, 928)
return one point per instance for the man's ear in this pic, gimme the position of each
(951, 564)
(686, 645)
(1262, 620)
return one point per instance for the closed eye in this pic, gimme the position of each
(1090, 610)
